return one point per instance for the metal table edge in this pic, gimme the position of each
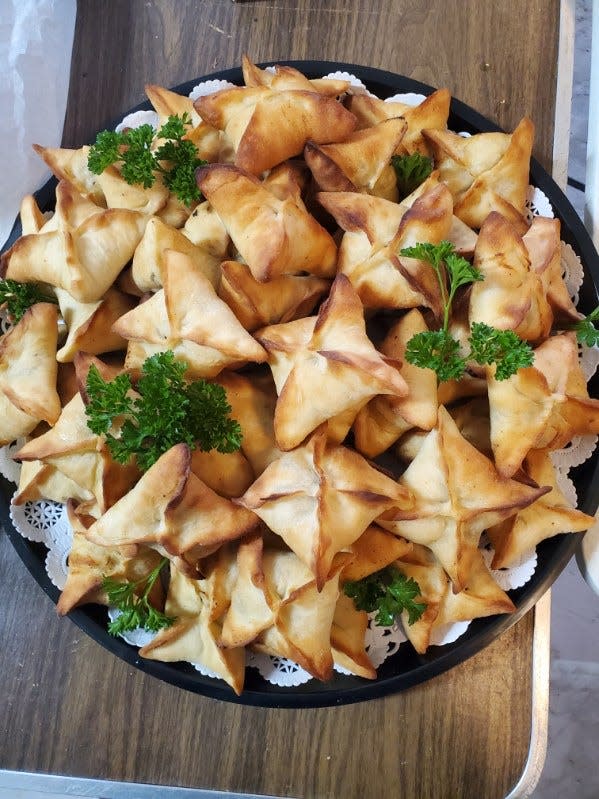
(32, 785)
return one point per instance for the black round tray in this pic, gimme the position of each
(405, 668)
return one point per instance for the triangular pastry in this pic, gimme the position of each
(337, 367)
(194, 636)
(277, 301)
(551, 515)
(28, 372)
(458, 494)
(431, 113)
(542, 406)
(320, 499)
(273, 236)
(485, 172)
(385, 419)
(511, 296)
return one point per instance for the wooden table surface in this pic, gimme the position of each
(66, 705)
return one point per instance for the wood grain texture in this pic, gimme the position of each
(67, 706)
(499, 56)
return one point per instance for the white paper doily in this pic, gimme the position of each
(537, 204)
(137, 119)
(209, 87)
(407, 98)
(356, 83)
(9, 468)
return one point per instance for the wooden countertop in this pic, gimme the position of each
(66, 705)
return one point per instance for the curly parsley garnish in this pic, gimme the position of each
(501, 347)
(143, 154)
(410, 171)
(19, 297)
(166, 411)
(389, 592)
(131, 599)
(586, 332)
(437, 349)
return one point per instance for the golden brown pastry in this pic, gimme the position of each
(431, 114)
(333, 363)
(542, 406)
(385, 419)
(320, 499)
(485, 172)
(28, 372)
(548, 516)
(458, 494)
(273, 236)
(512, 295)
(247, 115)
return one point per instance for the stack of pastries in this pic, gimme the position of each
(286, 285)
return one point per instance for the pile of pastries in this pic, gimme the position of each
(287, 286)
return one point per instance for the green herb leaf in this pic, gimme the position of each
(176, 158)
(586, 332)
(389, 593)
(106, 400)
(451, 269)
(19, 297)
(504, 348)
(105, 151)
(131, 599)
(436, 350)
(139, 162)
(167, 411)
(209, 418)
(435, 254)
(175, 127)
(411, 171)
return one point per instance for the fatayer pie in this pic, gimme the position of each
(337, 367)
(28, 371)
(279, 300)
(381, 422)
(430, 114)
(147, 329)
(85, 261)
(485, 172)
(320, 498)
(542, 406)
(458, 493)
(512, 295)
(273, 236)
(248, 115)
(173, 511)
(357, 163)
(482, 596)
(376, 232)
(550, 515)
(194, 636)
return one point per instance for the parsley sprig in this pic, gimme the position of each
(166, 410)
(586, 331)
(19, 297)
(501, 347)
(388, 592)
(410, 171)
(437, 349)
(144, 154)
(131, 599)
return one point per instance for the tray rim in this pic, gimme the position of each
(481, 631)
